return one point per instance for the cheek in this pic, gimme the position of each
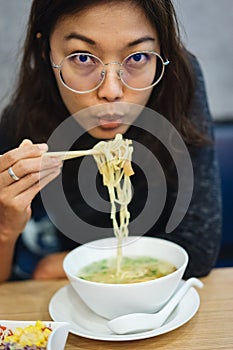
(139, 97)
(147, 94)
(72, 101)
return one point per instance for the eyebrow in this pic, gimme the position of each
(74, 35)
(141, 40)
(81, 37)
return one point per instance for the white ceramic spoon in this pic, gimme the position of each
(139, 322)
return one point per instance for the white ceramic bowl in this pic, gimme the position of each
(112, 300)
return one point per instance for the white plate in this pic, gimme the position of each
(66, 306)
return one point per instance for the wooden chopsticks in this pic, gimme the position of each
(64, 155)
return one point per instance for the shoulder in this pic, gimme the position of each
(199, 109)
(195, 64)
(200, 85)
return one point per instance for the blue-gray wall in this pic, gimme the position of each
(209, 34)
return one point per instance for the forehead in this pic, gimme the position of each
(121, 23)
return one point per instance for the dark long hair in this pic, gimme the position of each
(36, 105)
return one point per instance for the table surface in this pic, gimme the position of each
(211, 327)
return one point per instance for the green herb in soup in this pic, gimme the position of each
(133, 270)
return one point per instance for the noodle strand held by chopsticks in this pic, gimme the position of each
(114, 164)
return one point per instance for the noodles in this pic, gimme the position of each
(114, 164)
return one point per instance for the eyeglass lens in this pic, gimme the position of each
(85, 72)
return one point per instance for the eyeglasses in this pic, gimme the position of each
(84, 72)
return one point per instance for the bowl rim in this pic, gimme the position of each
(124, 285)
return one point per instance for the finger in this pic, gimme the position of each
(26, 167)
(27, 196)
(26, 142)
(20, 206)
(17, 187)
(21, 195)
(26, 150)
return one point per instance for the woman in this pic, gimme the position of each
(105, 33)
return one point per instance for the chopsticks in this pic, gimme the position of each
(64, 155)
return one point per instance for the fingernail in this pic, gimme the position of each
(26, 142)
(43, 147)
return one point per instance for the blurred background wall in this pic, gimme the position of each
(13, 19)
(207, 30)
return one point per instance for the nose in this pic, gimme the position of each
(112, 87)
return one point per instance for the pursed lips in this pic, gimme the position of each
(110, 121)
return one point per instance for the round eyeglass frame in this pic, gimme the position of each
(103, 73)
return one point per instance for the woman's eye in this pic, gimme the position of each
(137, 58)
(83, 59)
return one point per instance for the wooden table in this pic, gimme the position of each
(211, 328)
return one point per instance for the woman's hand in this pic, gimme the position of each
(50, 267)
(16, 196)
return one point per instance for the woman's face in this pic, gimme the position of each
(110, 33)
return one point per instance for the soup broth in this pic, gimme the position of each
(133, 270)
